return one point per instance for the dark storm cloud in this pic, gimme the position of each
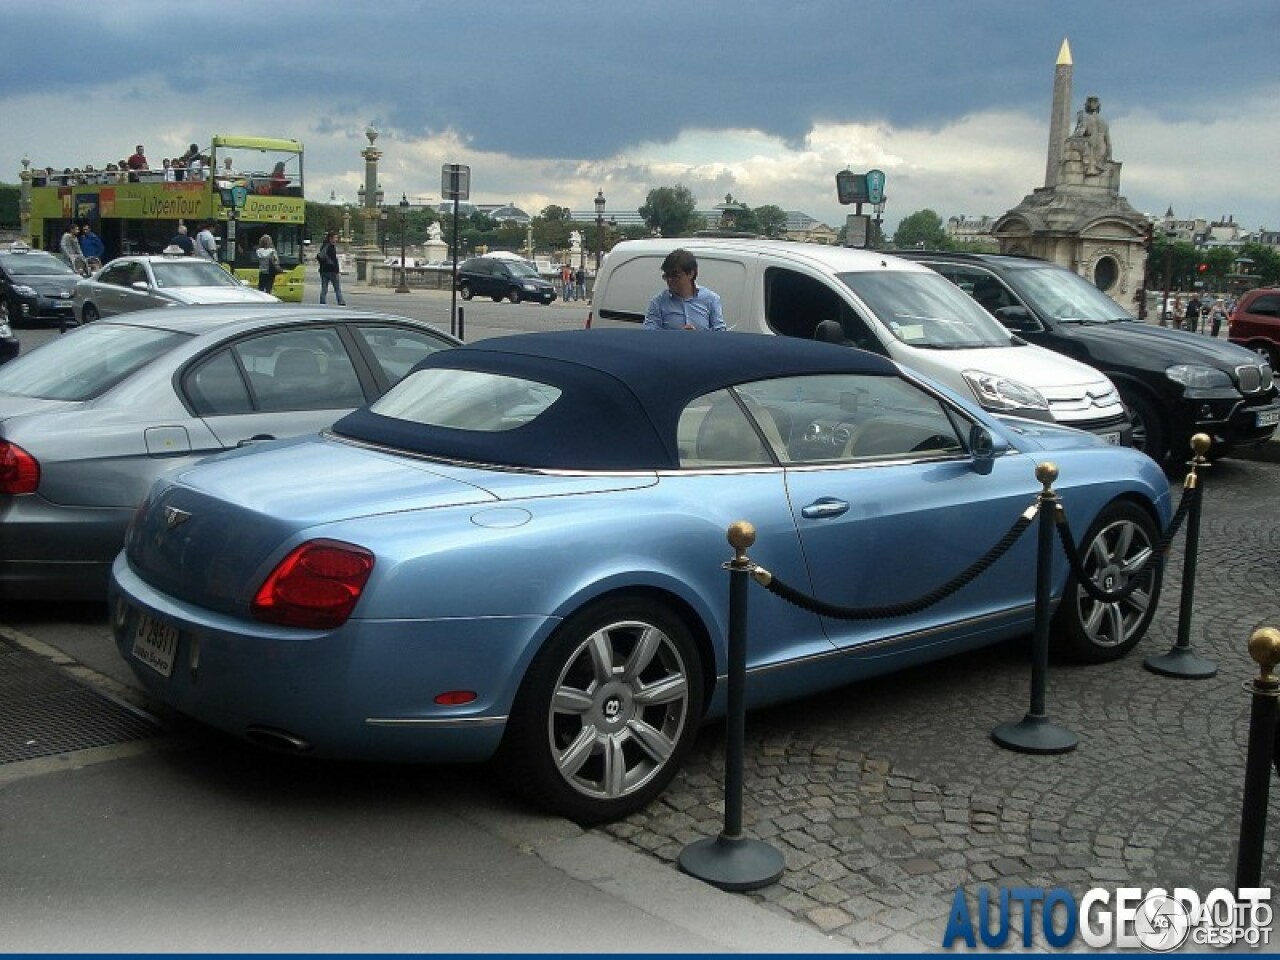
(574, 79)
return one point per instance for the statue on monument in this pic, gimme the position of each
(575, 242)
(434, 232)
(1091, 138)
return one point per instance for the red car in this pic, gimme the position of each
(1255, 323)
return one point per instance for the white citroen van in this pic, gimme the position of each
(879, 303)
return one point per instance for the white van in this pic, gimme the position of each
(880, 303)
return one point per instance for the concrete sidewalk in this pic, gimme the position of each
(189, 842)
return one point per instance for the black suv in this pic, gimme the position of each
(501, 279)
(1175, 383)
(35, 285)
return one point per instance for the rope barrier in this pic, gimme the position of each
(835, 611)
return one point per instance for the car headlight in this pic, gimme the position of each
(5, 332)
(530, 286)
(1198, 377)
(995, 392)
(22, 290)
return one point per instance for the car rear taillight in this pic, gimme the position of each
(19, 470)
(316, 586)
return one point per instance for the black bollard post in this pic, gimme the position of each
(732, 861)
(1034, 733)
(1264, 647)
(1181, 660)
(461, 326)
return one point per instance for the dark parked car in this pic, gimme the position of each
(35, 285)
(9, 345)
(1255, 323)
(503, 279)
(1175, 383)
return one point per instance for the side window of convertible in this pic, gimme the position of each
(715, 432)
(851, 418)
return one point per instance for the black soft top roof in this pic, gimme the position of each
(622, 393)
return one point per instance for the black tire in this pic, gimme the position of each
(1149, 432)
(495, 297)
(89, 313)
(464, 291)
(594, 750)
(1120, 544)
(514, 294)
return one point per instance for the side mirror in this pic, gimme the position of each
(984, 447)
(1017, 318)
(141, 285)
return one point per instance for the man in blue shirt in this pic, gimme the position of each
(683, 305)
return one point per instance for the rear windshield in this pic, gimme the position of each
(1067, 296)
(466, 400)
(191, 273)
(86, 363)
(34, 265)
(927, 310)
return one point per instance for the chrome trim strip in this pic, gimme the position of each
(459, 722)
(1025, 609)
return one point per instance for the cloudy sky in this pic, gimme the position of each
(767, 100)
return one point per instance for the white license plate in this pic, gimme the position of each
(1268, 418)
(1112, 438)
(155, 644)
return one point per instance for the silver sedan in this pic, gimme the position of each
(89, 420)
(140, 283)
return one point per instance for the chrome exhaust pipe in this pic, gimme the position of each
(277, 739)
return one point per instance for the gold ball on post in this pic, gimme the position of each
(1046, 473)
(1200, 444)
(742, 534)
(1264, 647)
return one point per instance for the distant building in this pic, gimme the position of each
(510, 213)
(804, 228)
(971, 230)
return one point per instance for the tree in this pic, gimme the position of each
(771, 220)
(921, 229)
(670, 210)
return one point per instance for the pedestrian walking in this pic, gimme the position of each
(70, 247)
(1217, 313)
(91, 246)
(1191, 319)
(206, 242)
(566, 282)
(684, 305)
(580, 284)
(182, 241)
(268, 264)
(327, 258)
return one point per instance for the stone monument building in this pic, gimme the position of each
(1078, 218)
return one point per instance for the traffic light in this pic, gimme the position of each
(1201, 268)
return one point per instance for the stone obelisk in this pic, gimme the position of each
(1060, 120)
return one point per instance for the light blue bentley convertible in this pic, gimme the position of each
(519, 551)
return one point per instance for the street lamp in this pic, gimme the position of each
(599, 225)
(404, 269)
(1170, 234)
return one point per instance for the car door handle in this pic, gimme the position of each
(255, 439)
(825, 507)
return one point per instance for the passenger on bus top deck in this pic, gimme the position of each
(278, 179)
(139, 159)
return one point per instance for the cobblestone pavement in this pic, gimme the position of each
(886, 797)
